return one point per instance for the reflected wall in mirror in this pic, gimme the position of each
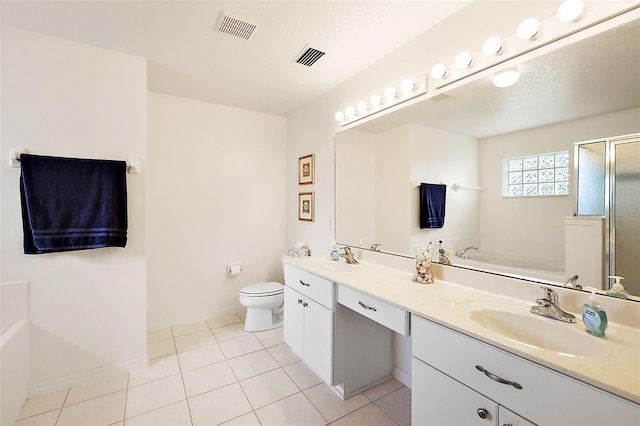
(463, 136)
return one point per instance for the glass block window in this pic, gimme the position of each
(536, 175)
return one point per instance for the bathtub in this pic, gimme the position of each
(14, 349)
(521, 267)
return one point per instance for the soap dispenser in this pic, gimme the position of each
(617, 290)
(335, 256)
(444, 255)
(594, 316)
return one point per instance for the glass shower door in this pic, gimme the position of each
(625, 213)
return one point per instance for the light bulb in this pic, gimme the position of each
(506, 78)
(492, 46)
(390, 93)
(408, 85)
(463, 60)
(350, 112)
(570, 10)
(528, 29)
(362, 106)
(339, 116)
(376, 100)
(438, 71)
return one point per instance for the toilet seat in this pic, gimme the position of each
(263, 289)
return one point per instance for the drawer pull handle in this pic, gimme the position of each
(482, 413)
(305, 284)
(305, 304)
(371, 308)
(299, 300)
(497, 378)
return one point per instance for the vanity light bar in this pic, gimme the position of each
(408, 89)
(530, 34)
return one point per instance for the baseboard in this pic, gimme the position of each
(402, 376)
(85, 377)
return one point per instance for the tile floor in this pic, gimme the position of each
(212, 373)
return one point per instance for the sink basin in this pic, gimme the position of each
(334, 266)
(516, 323)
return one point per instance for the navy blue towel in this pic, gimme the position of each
(432, 203)
(72, 204)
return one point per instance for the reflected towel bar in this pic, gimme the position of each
(454, 186)
(133, 164)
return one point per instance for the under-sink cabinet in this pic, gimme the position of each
(457, 379)
(308, 320)
(347, 350)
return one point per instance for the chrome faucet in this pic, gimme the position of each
(463, 252)
(375, 247)
(548, 306)
(348, 256)
(572, 283)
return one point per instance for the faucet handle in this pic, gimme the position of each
(550, 294)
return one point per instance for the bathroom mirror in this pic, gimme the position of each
(587, 90)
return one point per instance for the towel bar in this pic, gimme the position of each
(133, 164)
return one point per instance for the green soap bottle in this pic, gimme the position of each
(594, 317)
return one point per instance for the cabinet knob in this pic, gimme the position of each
(482, 413)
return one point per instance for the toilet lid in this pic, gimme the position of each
(263, 289)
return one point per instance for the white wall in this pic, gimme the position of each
(216, 195)
(501, 219)
(67, 99)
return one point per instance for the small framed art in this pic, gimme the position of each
(306, 206)
(306, 169)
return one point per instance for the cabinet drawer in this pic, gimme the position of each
(388, 315)
(546, 396)
(317, 288)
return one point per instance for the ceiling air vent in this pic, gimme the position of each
(235, 27)
(309, 56)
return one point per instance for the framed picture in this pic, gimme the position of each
(306, 206)
(306, 169)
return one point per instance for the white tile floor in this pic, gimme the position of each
(211, 373)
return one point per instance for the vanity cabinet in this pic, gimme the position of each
(345, 348)
(456, 377)
(309, 320)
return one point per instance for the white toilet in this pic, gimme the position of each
(265, 305)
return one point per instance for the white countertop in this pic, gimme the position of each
(616, 367)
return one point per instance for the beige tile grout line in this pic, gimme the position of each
(253, 410)
(60, 412)
(126, 398)
(186, 397)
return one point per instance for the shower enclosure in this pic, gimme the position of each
(607, 174)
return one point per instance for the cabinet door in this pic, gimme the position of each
(509, 418)
(438, 400)
(293, 320)
(318, 339)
